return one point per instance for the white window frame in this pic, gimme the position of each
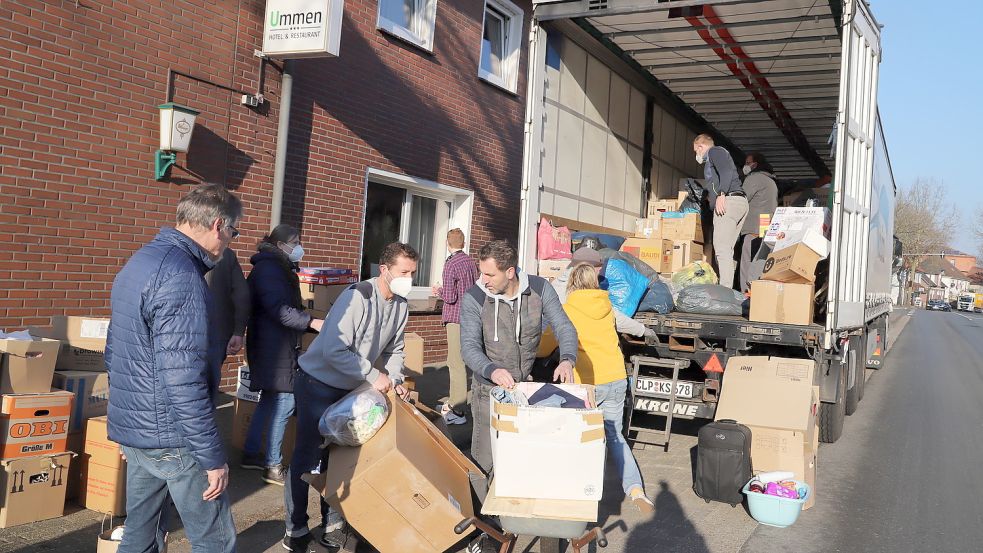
(462, 207)
(515, 17)
(427, 9)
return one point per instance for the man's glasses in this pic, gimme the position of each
(235, 233)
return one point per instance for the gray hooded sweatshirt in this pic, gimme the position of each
(504, 332)
(762, 198)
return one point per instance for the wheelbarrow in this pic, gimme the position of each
(551, 532)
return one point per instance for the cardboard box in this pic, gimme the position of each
(241, 420)
(102, 471)
(34, 424)
(412, 355)
(33, 488)
(551, 269)
(320, 296)
(790, 224)
(91, 391)
(812, 238)
(773, 392)
(327, 276)
(781, 302)
(795, 265)
(555, 509)
(650, 251)
(548, 452)
(27, 366)
(242, 386)
(784, 450)
(682, 227)
(405, 489)
(98, 448)
(657, 207)
(76, 441)
(683, 253)
(650, 228)
(83, 341)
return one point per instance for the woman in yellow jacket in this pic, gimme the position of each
(601, 363)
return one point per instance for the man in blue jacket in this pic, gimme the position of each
(157, 355)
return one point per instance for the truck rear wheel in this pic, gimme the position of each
(831, 415)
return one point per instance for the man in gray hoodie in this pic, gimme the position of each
(762, 199)
(502, 319)
(360, 341)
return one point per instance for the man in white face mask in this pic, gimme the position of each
(360, 342)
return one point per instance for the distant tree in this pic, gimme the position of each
(925, 221)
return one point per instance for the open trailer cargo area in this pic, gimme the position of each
(619, 89)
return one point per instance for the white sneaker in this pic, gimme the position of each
(450, 417)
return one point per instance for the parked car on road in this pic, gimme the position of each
(938, 305)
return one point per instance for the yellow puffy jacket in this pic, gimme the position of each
(599, 359)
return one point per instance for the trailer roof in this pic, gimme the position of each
(763, 73)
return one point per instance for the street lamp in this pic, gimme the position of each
(176, 125)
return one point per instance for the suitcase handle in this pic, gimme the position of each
(728, 420)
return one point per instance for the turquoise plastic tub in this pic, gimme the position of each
(772, 510)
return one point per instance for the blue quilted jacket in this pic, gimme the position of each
(157, 351)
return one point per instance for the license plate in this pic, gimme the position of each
(663, 387)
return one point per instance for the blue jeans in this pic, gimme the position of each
(271, 417)
(152, 474)
(313, 397)
(610, 399)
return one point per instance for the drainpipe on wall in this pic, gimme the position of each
(282, 135)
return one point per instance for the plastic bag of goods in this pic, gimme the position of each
(697, 272)
(626, 286)
(710, 299)
(355, 418)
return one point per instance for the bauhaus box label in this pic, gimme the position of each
(302, 28)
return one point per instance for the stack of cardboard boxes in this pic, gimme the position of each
(34, 423)
(321, 286)
(797, 241)
(667, 240)
(776, 399)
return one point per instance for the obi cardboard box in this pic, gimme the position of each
(648, 250)
(103, 471)
(796, 264)
(321, 296)
(83, 342)
(406, 488)
(551, 269)
(27, 366)
(548, 452)
(682, 227)
(781, 302)
(650, 228)
(34, 424)
(33, 488)
(91, 391)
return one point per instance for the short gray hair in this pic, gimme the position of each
(204, 204)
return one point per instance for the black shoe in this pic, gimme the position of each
(482, 544)
(275, 475)
(334, 540)
(253, 461)
(298, 543)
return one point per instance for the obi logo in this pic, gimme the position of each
(38, 429)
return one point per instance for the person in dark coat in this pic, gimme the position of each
(157, 356)
(232, 305)
(762, 197)
(275, 328)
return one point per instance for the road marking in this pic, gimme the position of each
(967, 317)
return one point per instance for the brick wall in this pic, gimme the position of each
(78, 128)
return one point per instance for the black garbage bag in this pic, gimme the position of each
(694, 197)
(711, 299)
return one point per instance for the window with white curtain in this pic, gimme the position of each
(410, 20)
(501, 41)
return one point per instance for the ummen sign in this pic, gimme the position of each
(302, 28)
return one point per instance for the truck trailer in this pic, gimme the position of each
(616, 92)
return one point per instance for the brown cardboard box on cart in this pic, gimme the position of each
(650, 251)
(682, 227)
(781, 302)
(650, 227)
(657, 207)
(103, 471)
(27, 366)
(796, 264)
(682, 254)
(33, 488)
(405, 489)
(83, 342)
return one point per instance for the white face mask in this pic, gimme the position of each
(700, 159)
(401, 286)
(296, 253)
(747, 170)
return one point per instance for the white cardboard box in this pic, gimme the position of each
(790, 224)
(548, 452)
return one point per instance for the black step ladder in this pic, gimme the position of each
(639, 361)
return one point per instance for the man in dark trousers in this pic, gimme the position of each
(158, 359)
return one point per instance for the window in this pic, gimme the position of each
(414, 211)
(409, 20)
(500, 41)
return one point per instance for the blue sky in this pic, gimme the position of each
(930, 96)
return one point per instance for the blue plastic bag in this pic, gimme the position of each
(657, 299)
(607, 240)
(626, 286)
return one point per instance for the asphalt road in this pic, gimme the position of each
(905, 476)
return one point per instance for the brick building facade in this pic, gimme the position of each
(80, 125)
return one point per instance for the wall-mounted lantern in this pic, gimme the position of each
(176, 124)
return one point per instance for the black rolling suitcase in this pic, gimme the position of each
(723, 461)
